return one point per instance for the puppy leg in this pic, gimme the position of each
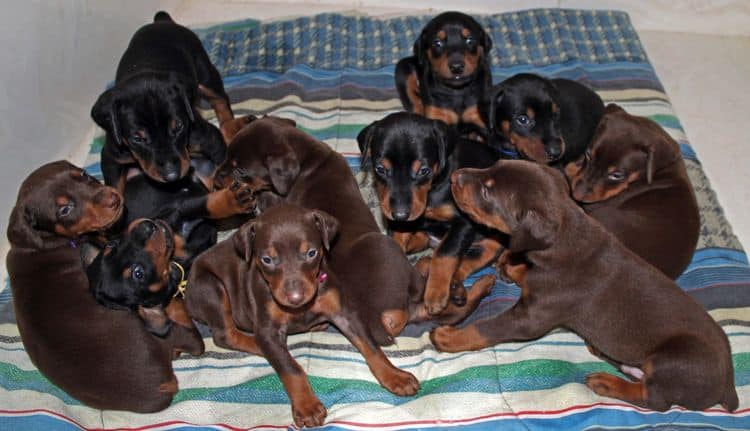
(479, 255)
(444, 264)
(395, 380)
(219, 103)
(453, 314)
(307, 410)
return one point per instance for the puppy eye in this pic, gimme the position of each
(616, 176)
(524, 121)
(381, 170)
(423, 171)
(312, 253)
(177, 127)
(470, 42)
(137, 273)
(64, 210)
(266, 260)
(437, 43)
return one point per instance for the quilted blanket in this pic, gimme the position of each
(333, 74)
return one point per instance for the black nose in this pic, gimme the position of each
(554, 152)
(456, 67)
(400, 214)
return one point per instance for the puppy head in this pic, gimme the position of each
(286, 245)
(625, 150)
(524, 109)
(406, 153)
(59, 199)
(260, 156)
(517, 197)
(454, 47)
(135, 273)
(151, 116)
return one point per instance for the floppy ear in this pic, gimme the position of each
(188, 105)
(21, 230)
(104, 114)
(533, 232)
(243, 240)
(283, 170)
(418, 50)
(496, 96)
(186, 92)
(486, 42)
(156, 320)
(328, 226)
(364, 139)
(445, 140)
(612, 108)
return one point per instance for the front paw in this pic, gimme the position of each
(436, 298)
(311, 413)
(400, 383)
(451, 339)
(238, 198)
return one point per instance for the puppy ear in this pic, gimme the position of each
(156, 320)
(104, 114)
(188, 105)
(364, 139)
(21, 230)
(533, 232)
(445, 139)
(283, 170)
(328, 226)
(495, 97)
(486, 41)
(419, 52)
(243, 240)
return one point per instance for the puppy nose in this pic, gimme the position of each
(293, 289)
(554, 151)
(400, 214)
(456, 67)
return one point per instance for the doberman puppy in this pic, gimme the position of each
(412, 158)
(103, 358)
(273, 157)
(548, 121)
(272, 278)
(632, 179)
(627, 311)
(449, 71)
(149, 113)
(138, 273)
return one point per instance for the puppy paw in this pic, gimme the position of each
(400, 383)
(451, 339)
(311, 413)
(435, 300)
(608, 385)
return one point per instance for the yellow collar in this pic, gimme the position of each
(182, 285)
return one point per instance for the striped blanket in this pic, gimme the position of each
(333, 74)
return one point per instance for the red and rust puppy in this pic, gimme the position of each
(138, 273)
(104, 358)
(272, 278)
(411, 158)
(628, 312)
(548, 121)
(449, 71)
(149, 114)
(632, 179)
(280, 162)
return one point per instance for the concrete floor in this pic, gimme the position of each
(704, 75)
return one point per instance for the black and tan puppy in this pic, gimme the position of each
(138, 273)
(411, 158)
(104, 358)
(149, 114)
(449, 71)
(548, 121)
(633, 180)
(272, 278)
(628, 312)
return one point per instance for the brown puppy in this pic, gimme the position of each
(272, 278)
(626, 310)
(632, 179)
(274, 157)
(104, 358)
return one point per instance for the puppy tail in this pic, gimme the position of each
(162, 16)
